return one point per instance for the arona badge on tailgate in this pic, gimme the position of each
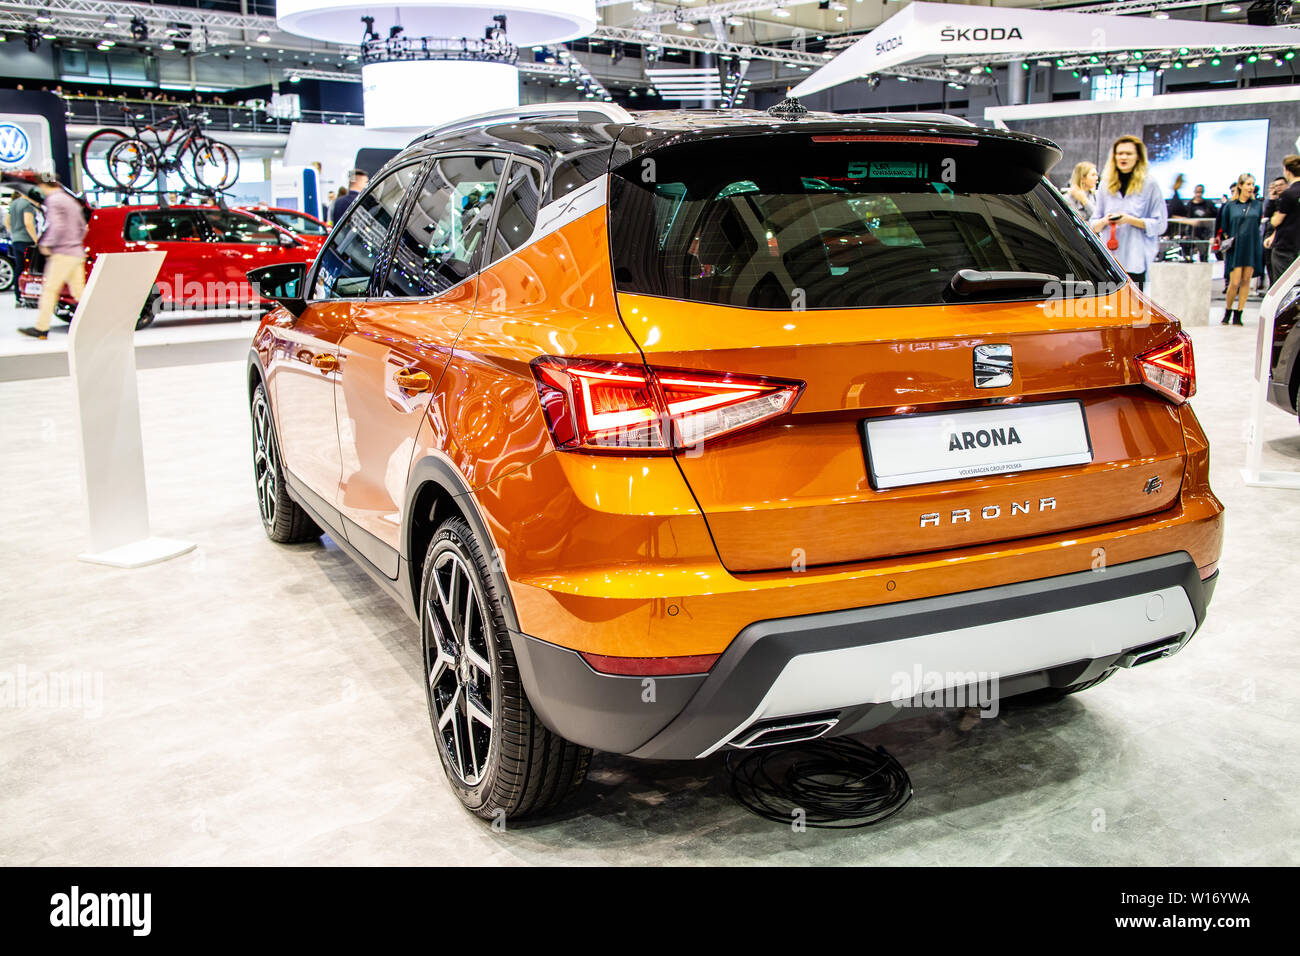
(993, 366)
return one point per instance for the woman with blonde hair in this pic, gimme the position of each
(1130, 215)
(1082, 194)
(1242, 245)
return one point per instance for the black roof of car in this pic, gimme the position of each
(592, 140)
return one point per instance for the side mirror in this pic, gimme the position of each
(282, 282)
(288, 240)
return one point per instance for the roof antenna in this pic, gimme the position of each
(788, 108)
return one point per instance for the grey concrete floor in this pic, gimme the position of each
(251, 703)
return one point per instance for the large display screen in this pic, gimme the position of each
(1212, 153)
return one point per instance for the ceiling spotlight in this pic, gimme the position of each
(1230, 8)
(781, 12)
(1160, 15)
(167, 45)
(1238, 65)
(686, 25)
(1252, 58)
(43, 16)
(295, 78)
(110, 22)
(264, 37)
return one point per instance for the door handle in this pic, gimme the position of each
(413, 380)
(325, 361)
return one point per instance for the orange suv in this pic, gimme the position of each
(687, 431)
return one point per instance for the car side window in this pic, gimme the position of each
(520, 201)
(233, 227)
(445, 229)
(163, 225)
(344, 266)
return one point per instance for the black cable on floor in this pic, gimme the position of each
(837, 784)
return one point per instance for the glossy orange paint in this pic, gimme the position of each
(613, 555)
(377, 418)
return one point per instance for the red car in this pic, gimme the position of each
(209, 253)
(295, 220)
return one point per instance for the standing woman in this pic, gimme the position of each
(1244, 252)
(1082, 194)
(1130, 209)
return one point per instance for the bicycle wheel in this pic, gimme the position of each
(132, 163)
(94, 156)
(213, 165)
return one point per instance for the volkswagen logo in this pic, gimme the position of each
(992, 366)
(14, 144)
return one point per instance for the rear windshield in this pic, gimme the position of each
(844, 221)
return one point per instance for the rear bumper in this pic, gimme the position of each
(849, 667)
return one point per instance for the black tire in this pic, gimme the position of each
(149, 312)
(96, 149)
(527, 769)
(1052, 695)
(282, 518)
(133, 164)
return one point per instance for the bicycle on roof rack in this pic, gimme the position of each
(131, 163)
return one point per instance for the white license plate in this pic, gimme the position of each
(996, 440)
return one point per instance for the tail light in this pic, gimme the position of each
(595, 405)
(1170, 369)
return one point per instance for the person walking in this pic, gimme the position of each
(357, 180)
(1284, 244)
(20, 220)
(1130, 208)
(65, 255)
(1082, 193)
(1242, 246)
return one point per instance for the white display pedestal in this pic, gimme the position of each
(1260, 407)
(101, 360)
(1182, 289)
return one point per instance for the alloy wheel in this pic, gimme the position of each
(264, 462)
(458, 667)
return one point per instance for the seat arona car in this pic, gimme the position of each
(687, 431)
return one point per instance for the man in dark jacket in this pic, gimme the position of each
(357, 180)
(1284, 244)
(1202, 207)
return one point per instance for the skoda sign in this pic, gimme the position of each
(14, 144)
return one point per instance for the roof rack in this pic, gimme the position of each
(586, 112)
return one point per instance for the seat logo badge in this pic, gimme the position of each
(1153, 485)
(992, 366)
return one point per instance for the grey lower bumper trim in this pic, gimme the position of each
(740, 686)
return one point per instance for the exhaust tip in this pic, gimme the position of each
(777, 731)
(1151, 652)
